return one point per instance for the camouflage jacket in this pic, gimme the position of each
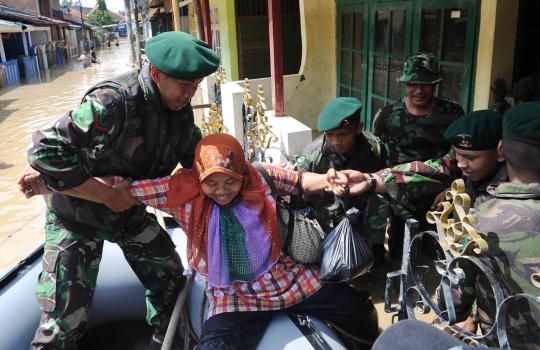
(120, 128)
(417, 182)
(510, 223)
(368, 156)
(409, 137)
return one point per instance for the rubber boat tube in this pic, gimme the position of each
(119, 296)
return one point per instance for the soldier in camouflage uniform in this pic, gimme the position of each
(474, 156)
(345, 146)
(413, 127)
(510, 223)
(138, 125)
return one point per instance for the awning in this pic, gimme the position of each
(10, 13)
(10, 27)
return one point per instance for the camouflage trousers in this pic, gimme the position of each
(70, 268)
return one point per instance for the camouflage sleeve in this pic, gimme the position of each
(56, 151)
(189, 155)
(379, 128)
(310, 156)
(410, 181)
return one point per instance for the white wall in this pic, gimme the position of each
(39, 38)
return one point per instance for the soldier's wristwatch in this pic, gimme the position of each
(372, 183)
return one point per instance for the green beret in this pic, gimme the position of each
(522, 122)
(475, 131)
(181, 56)
(335, 111)
(422, 68)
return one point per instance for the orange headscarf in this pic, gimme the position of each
(219, 153)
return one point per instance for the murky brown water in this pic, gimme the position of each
(22, 110)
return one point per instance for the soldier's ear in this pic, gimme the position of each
(500, 152)
(360, 128)
(155, 74)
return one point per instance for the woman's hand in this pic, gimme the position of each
(336, 182)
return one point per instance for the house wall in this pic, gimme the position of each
(317, 84)
(39, 37)
(26, 5)
(227, 24)
(496, 46)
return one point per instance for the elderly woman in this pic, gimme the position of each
(228, 213)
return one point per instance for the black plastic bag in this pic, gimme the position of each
(346, 252)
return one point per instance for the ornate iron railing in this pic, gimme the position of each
(258, 135)
(213, 123)
(456, 240)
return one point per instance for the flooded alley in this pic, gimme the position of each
(23, 109)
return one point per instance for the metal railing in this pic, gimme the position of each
(258, 135)
(456, 242)
(31, 67)
(10, 73)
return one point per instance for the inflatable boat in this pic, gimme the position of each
(116, 319)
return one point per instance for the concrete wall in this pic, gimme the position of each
(317, 83)
(496, 45)
(39, 38)
(227, 23)
(26, 5)
(308, 91)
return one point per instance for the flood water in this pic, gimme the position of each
(23, 109)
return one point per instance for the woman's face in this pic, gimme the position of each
(221, 188)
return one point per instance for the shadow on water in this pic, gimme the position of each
(4, 112)
(5, 165)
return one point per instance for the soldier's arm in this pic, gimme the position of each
(56, 152)
(110, 192)
(411, 180)
(189, 155)
(419, 179)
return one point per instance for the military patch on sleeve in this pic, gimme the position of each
(97, 122)
(88, 116)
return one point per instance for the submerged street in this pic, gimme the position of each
(23, 109)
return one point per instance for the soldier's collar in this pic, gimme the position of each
(151, 94)
(518, 191)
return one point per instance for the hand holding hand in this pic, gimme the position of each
(336, 182)
(121, 198)
(358, 181)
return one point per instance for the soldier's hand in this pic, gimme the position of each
(31, 183)
(358, 181)
(468, 325)
(336, 182)
(441, 197)
(121, 198)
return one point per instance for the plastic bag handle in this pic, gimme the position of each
(345, 200)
